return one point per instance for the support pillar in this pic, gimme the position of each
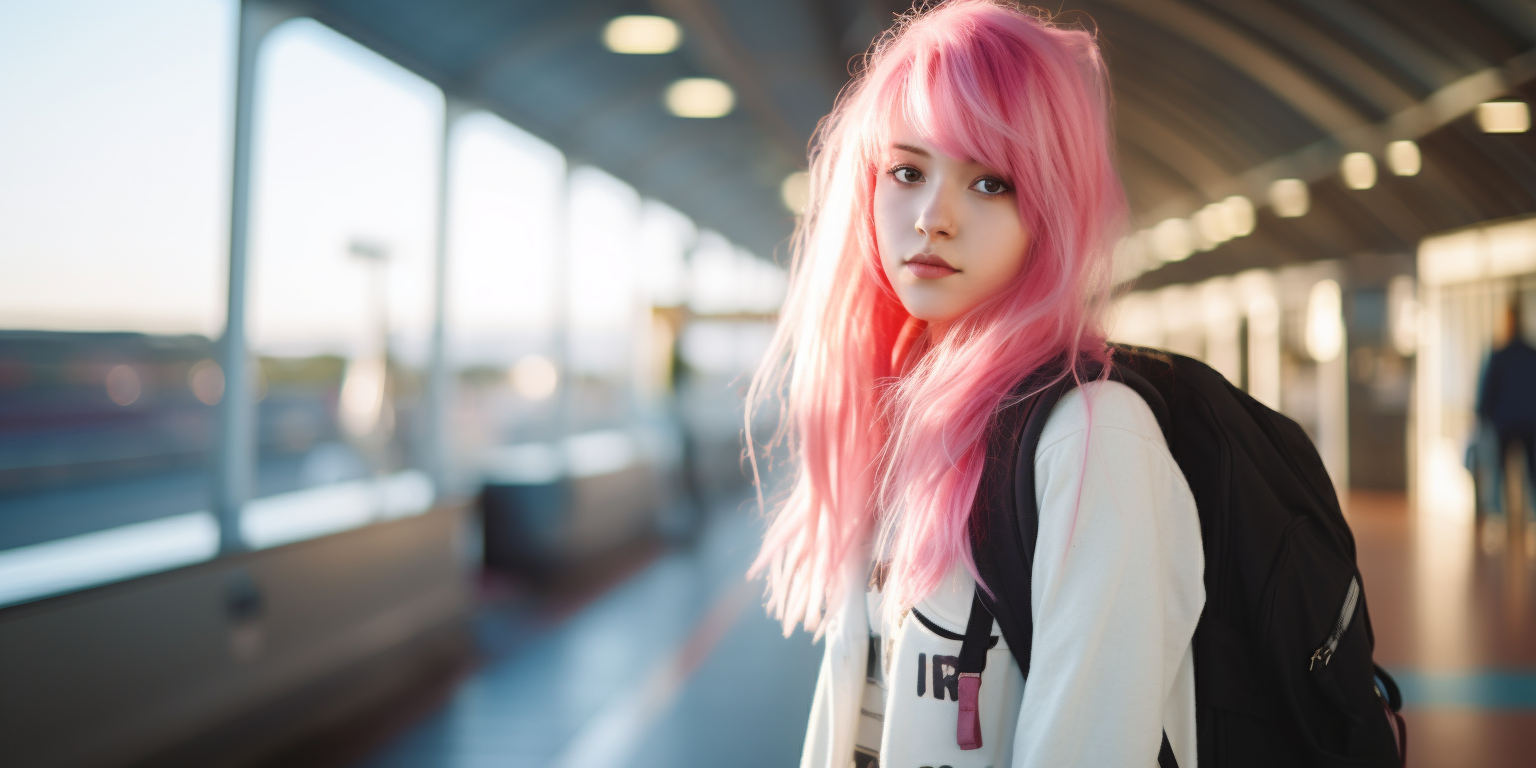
(236, 449)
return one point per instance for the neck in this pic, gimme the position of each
(938, 328)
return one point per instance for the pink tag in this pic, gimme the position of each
(968, 727)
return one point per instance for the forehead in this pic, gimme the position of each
(900, 137)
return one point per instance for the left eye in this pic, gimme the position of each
(990, 186)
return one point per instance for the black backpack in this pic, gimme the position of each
(1283, 669)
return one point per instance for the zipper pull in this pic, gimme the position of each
(1346, 615)
(1325, 653)
(972, 662)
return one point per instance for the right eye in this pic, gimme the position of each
(906, 174)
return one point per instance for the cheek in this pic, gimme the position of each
(888, 228)
(1017, 238)
(1007, 243)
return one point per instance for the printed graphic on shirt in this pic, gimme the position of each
(920, 655)
(946, 676)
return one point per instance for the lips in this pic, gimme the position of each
(929, 267)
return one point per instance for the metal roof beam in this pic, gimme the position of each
(1295, 87)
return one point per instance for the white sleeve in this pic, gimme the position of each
(834, 717)
(1117, 590)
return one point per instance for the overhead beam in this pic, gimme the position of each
(1320, 159)
(1293, 86)
(1306, 40)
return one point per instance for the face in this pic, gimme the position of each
(948, 229)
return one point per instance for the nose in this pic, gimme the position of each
(935, 219)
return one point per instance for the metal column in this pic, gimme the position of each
(237, 410)
(439, 383)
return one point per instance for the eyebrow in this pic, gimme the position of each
(912, 149)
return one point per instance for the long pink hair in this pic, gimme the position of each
(895, 447)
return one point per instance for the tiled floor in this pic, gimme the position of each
(1454, 609)
(678, 666)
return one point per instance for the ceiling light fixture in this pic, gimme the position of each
(1358, 170)
(1239, 211)
(1172, 240)
(796, 191)
(1403, 158)
(1289, 198)
(642, 35)
(1325, 321)
(700, 97)
(1211, 224)
(1504, 117)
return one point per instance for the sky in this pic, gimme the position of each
(114, 196)
(346, 152)
(114, 169)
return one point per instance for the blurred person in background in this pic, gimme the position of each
(964, 204)
(1506, 408)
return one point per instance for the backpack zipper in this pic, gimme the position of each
(1325, 651)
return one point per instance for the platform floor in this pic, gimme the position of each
(1454, 609)
(677, 666)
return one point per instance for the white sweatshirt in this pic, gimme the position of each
(1117, 589)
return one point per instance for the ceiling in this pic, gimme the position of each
(1212, 99)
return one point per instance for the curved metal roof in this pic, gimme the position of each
(1213, 98)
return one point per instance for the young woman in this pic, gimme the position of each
(964, 204)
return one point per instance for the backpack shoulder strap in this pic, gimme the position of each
(1006, 519)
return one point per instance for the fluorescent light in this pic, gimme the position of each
(642, 35)
(1403, 158)
(1403, 314)
(1172, 240)
(1211, 224)
(1358, 170)
(1289, 198)
(700, 97)
(1504, 117)
(1239, 210)
(1325, 321)
(796, 191)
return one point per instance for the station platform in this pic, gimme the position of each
(1452, 606)
(676, 665)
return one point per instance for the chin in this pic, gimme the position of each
(931, 316)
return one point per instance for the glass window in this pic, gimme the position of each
(730, 280)
(113, 245)
(606, 314)
(342, 254)
(506, 190)
(665, 237)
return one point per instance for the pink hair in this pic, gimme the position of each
(897, 445)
